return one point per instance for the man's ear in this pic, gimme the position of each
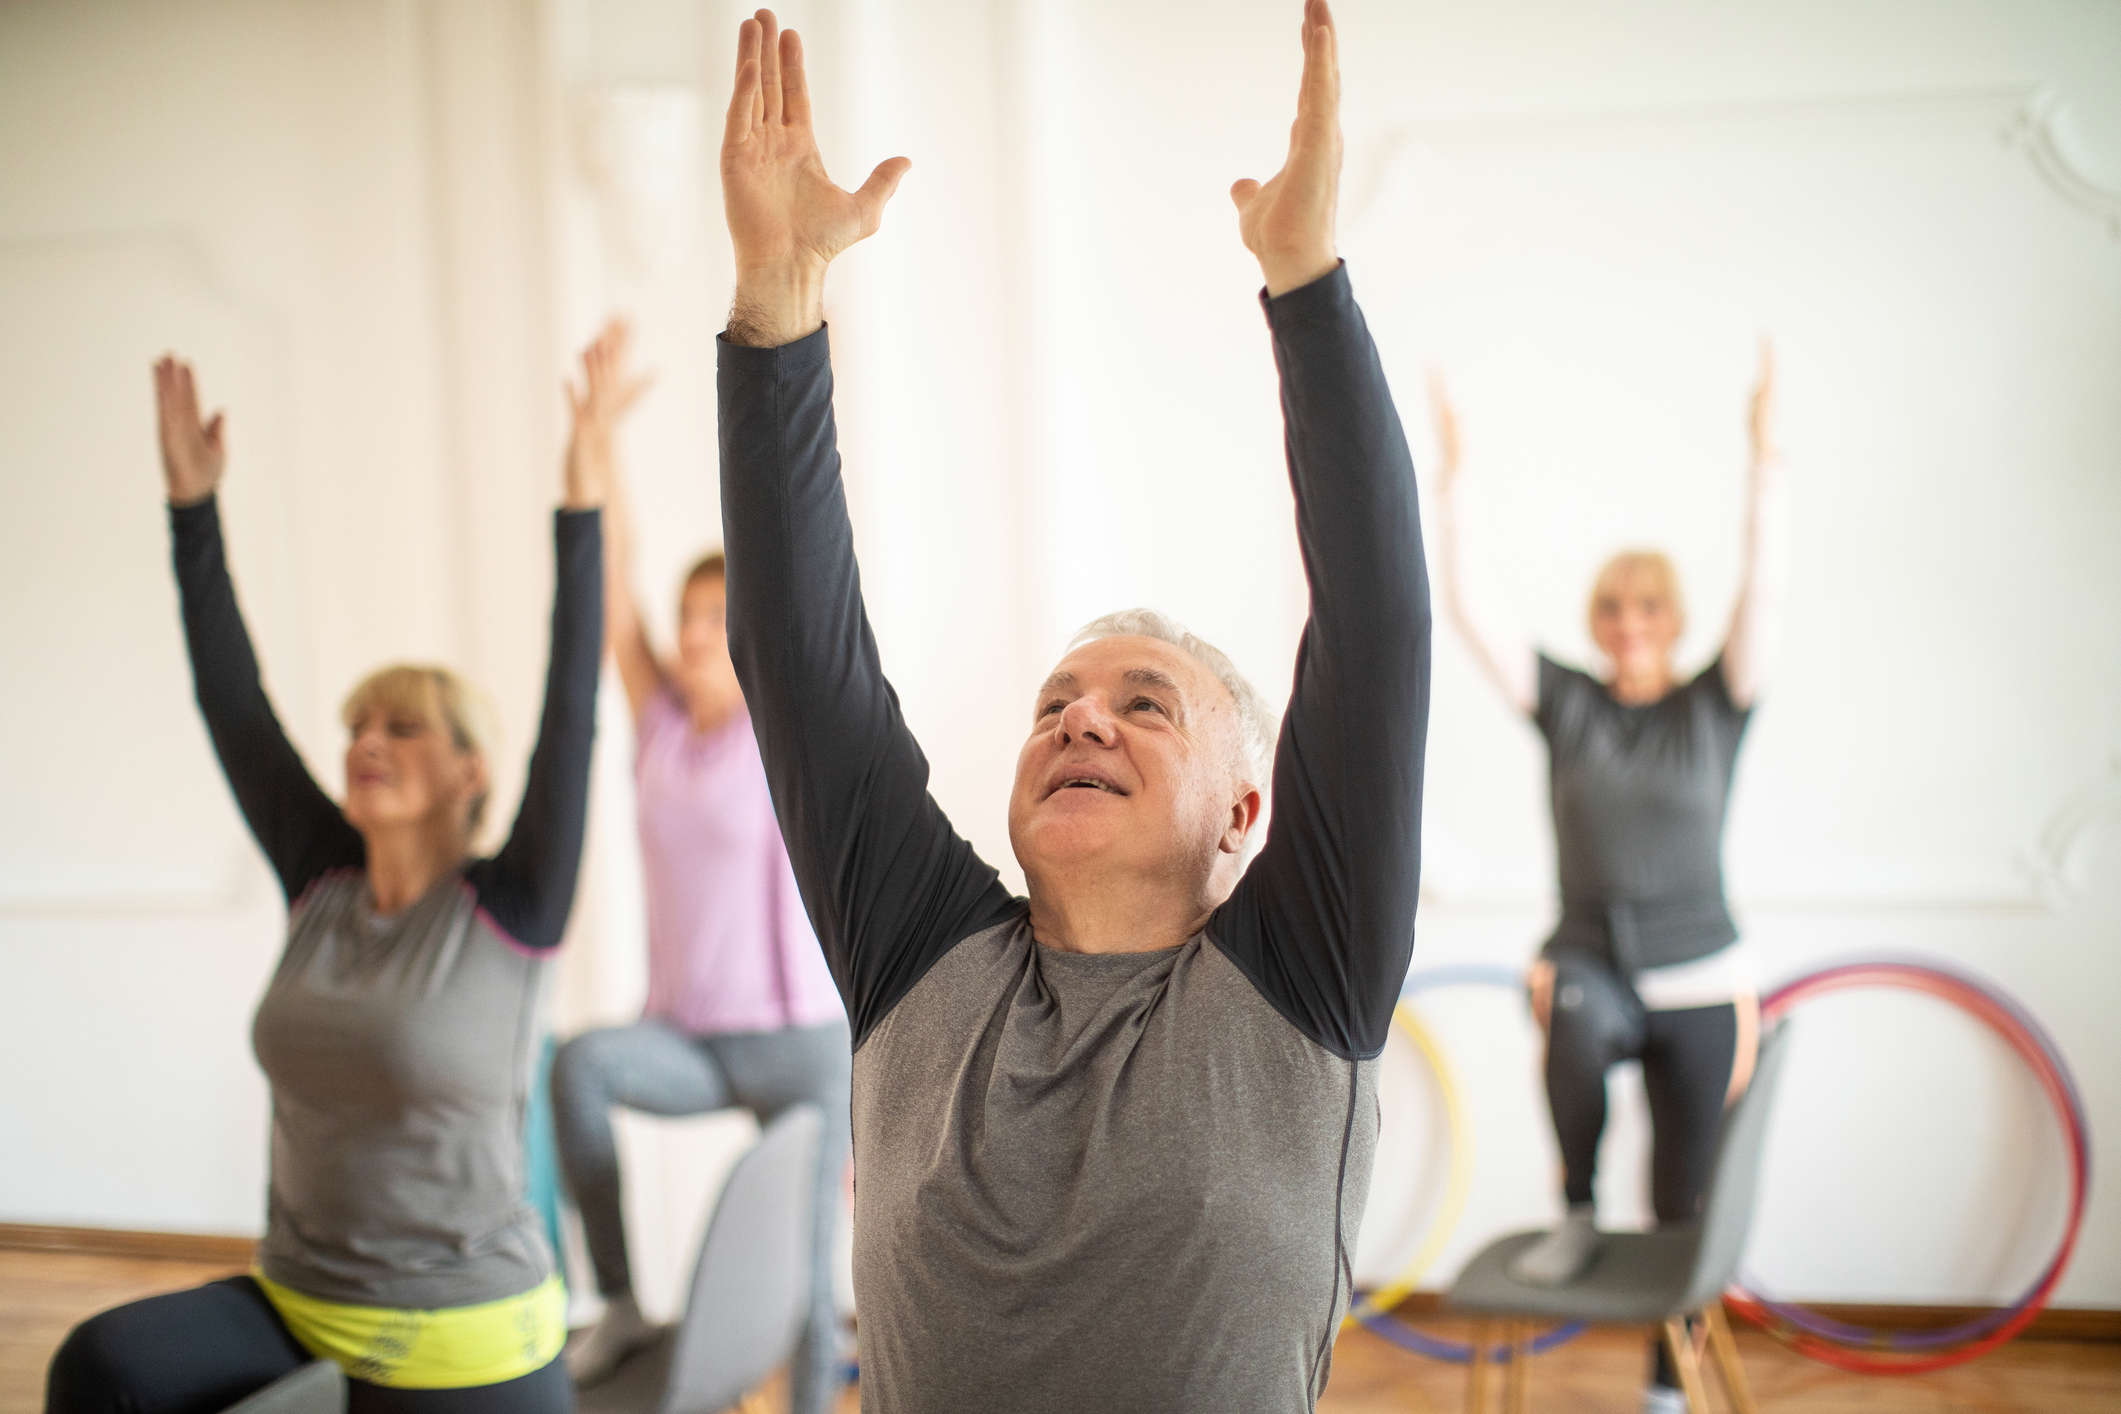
(1244, 814)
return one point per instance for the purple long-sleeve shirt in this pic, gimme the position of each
(729, 948)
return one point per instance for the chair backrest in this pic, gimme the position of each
(317, 1388)
(1727, 1216)
(751, 1285)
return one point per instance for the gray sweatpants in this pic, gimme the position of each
(657, 1068)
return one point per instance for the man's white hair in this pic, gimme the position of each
(1255, 720)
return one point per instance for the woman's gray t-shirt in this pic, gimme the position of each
(1639, 795)
(399, 1049)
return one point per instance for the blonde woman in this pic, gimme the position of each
(397, 1029)
(1646, 963)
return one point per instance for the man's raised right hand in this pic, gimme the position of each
(786, 218)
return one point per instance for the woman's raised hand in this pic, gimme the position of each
(193, 453)
(1445, 417)
(1287, 221)
(1760, 414)
(787, 221)
(608, 390)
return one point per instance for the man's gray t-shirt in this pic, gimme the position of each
(1115, 1182)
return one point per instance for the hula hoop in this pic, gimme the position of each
(1829, 1341)
(1375, 1312)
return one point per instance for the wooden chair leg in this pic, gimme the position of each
(754, 1403)
(1681, 1345)
(1727, 1362)
(1517, 1374)
(1477, 1368)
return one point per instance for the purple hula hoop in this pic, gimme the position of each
(1867, 1337)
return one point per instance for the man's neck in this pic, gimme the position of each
(1097, 913)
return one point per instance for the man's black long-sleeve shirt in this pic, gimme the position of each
(1123, 1181)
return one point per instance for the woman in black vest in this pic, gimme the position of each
(1645, 963)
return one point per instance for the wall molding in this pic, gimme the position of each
(2032, 120)
(2050, 863)
(1373, 154)
(236, 1251)
(2038, 130)
(1513, 904)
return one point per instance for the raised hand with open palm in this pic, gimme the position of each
(787, 220)
(1287, 221)
(194, 453)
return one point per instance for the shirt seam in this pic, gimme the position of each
(1266, 995)
(1323, 1362)
(1016, 906)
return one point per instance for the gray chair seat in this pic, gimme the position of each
(1647, 1278)
(637, 1384)
(317, 1388)
(1637, 1278)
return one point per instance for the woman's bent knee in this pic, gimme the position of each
(90, 1373)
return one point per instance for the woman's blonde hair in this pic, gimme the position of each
(437, 694)
(1652, 565)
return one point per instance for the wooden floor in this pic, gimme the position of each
(1601, 1373)
(42, 1294)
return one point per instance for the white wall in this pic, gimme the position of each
(1588, 222)
(388, 223)
(273, 191)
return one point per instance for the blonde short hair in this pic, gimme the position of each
(1652, 565)
(439, 695)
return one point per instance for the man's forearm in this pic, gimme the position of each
(1352, 475)
(1293, 270)
(777, 304)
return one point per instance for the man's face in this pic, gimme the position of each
(1133, 765)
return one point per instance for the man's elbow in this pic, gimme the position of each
(1405, 620)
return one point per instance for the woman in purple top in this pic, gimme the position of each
(741, 1009)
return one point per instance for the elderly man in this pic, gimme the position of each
(1113, 1141)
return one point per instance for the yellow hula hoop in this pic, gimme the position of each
(1455, 1188)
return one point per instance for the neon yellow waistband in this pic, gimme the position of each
(456, 1347)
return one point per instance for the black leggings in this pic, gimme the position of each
(199, 1351)
(1686, 1058)
(1687, 1055)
